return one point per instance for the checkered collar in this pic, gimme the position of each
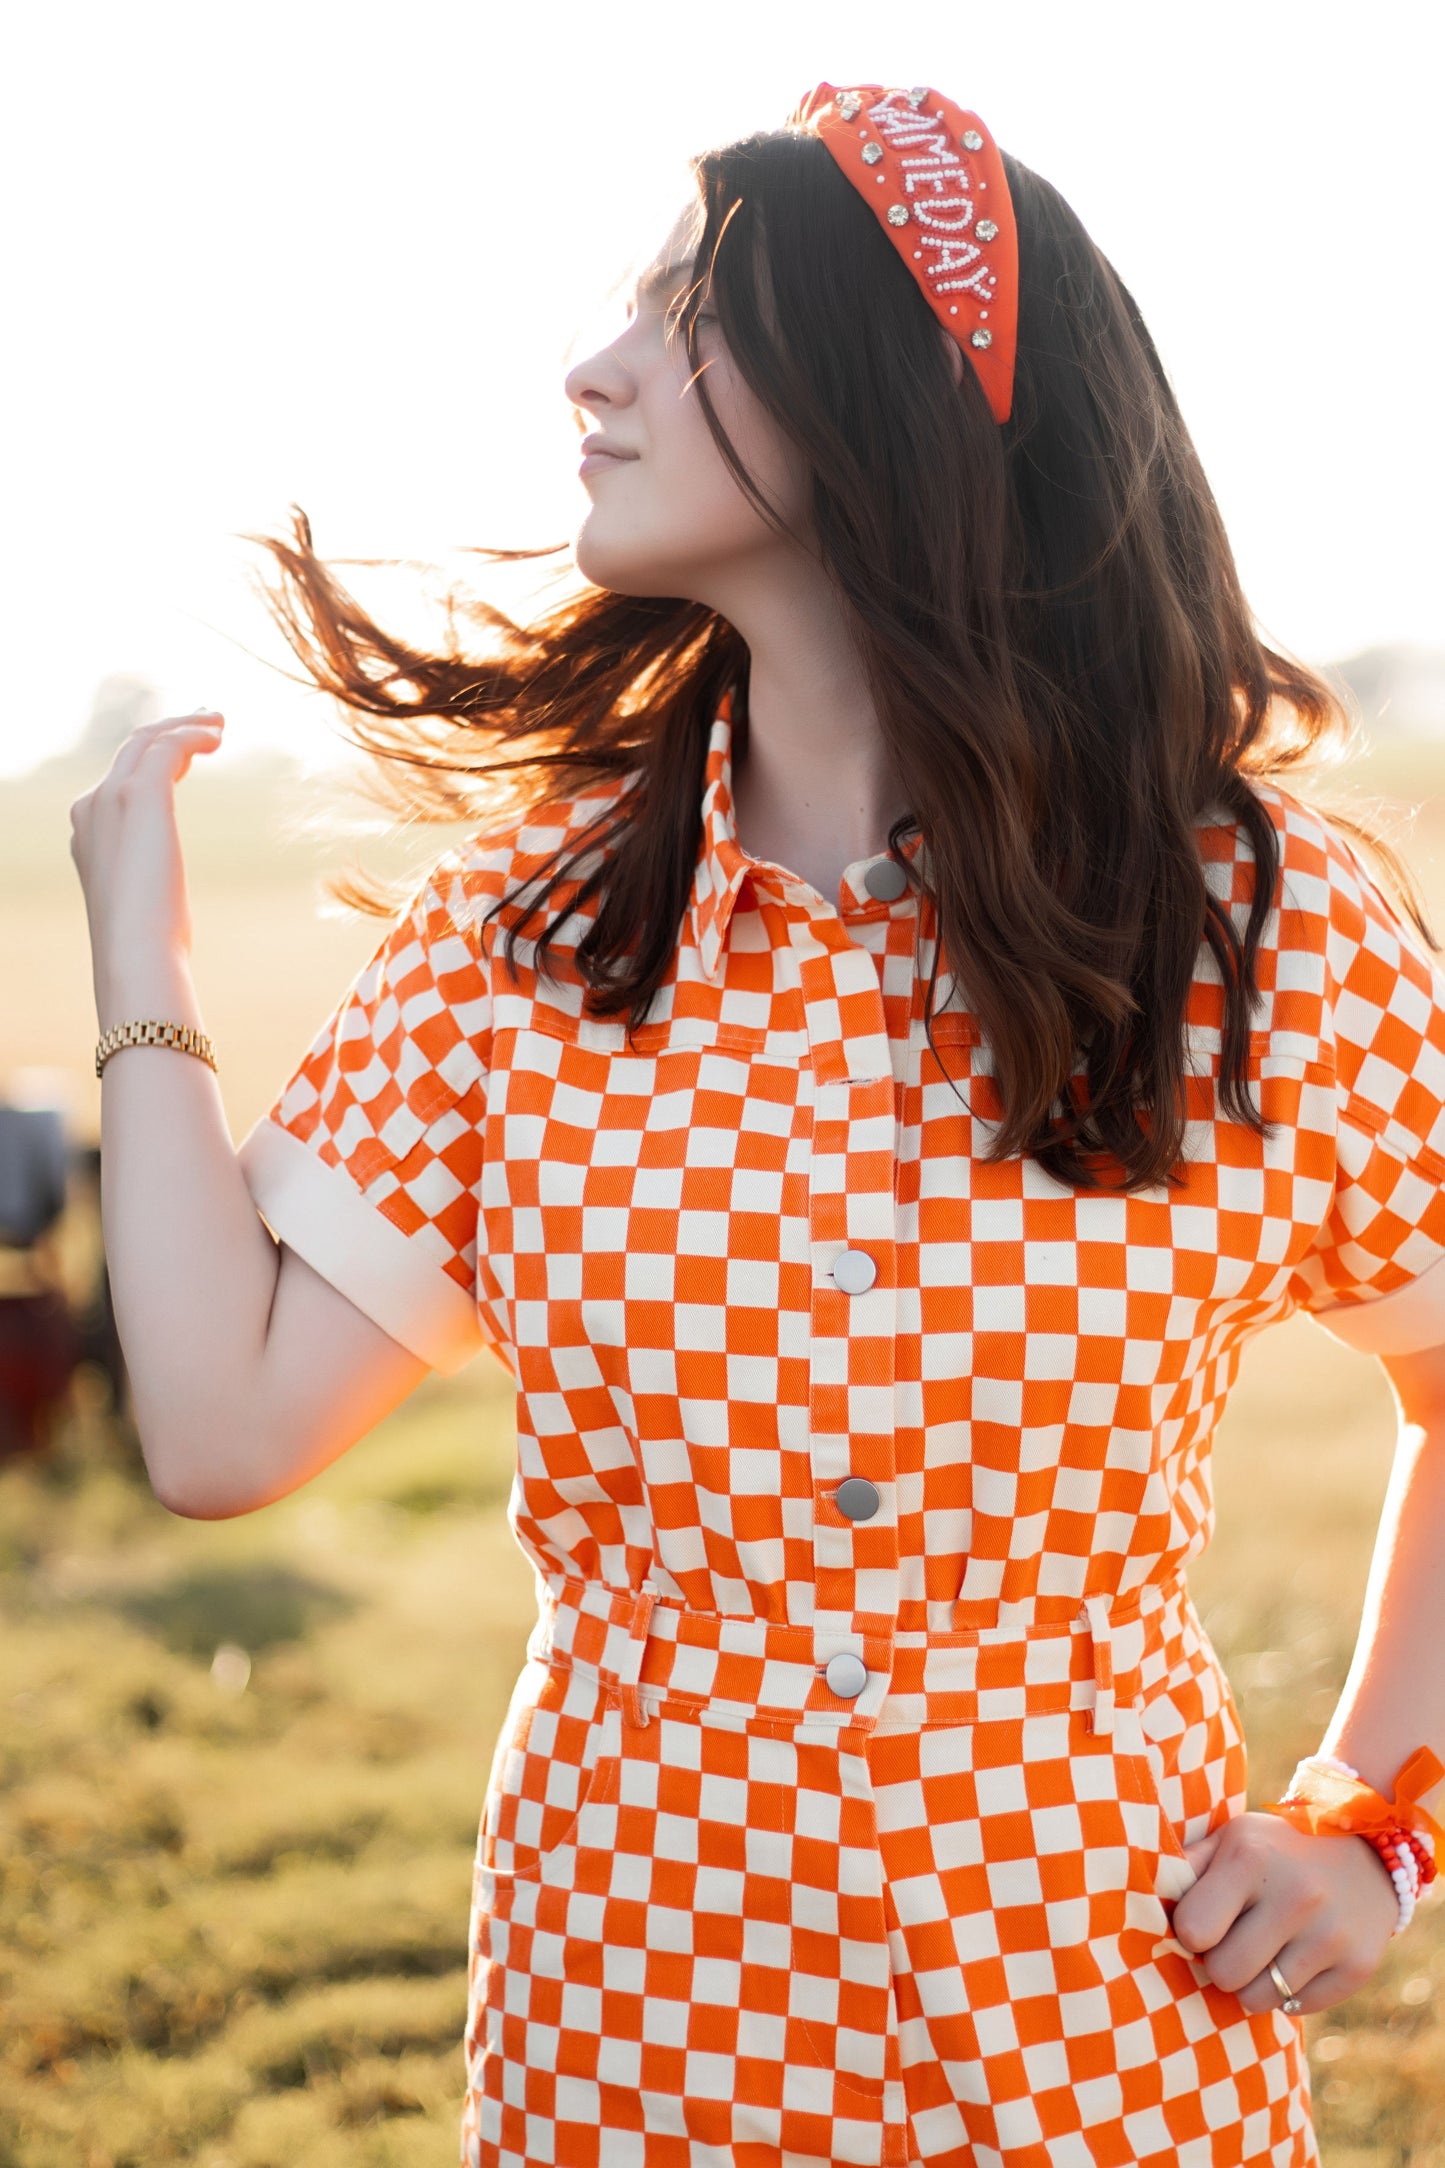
(722, 865)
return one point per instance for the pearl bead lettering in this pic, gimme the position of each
(935, 175)
(984, 288)
(931, 215)
(928, 173)
(926, 167)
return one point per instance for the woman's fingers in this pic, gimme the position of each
(1251, 1898)
(126, 845)
(161, 749)
(1203, 1849)
(1313, 1963)
(203, 724)
(148, 740)
(1261, 1931)
(200, 736)
(1329, 1985)
(1229, 1882)
(1318, 1907)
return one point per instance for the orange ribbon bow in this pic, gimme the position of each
(1323, 1802)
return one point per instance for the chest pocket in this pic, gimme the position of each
(439, 1119)
(1048, 1266)
(632, 1182)
(583, 1094)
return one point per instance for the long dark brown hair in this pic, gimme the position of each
(1051, 626)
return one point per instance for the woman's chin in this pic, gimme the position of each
(607, 563)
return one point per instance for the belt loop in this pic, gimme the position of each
(632, 1710)
(1096, 1610)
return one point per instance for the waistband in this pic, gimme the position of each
(649, 1649)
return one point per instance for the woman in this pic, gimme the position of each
(903, 1043)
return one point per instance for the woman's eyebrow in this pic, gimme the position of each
(657, 277)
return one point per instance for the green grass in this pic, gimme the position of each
(233, 1922)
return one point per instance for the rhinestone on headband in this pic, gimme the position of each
(872, 152)
(850, 105)
(985, 229)
(916, 97)
(898, 214)
(971, 140)
(981, 338)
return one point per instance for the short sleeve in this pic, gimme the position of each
(1374, 1277)
(368, 1163)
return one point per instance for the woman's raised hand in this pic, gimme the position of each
(127, 850)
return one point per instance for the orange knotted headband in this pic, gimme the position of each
(935, 179)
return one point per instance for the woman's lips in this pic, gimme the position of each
(593, 462)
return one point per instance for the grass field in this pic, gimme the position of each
(242, 1762)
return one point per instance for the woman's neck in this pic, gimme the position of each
(810, 794)
(814, 788)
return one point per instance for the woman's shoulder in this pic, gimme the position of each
(485, 878)
(1324, 883)
(1335, 936)
(520, 839)
(1306, 838)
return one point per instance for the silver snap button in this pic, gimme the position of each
(857, 1498)
(847, 1675)
(854, 1272)
(886, 881)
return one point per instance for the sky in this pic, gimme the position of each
(341, 254)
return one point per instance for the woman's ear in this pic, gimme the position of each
(955, 354)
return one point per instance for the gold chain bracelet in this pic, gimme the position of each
(153, 1033)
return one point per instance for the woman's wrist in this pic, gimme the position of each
(139, 987)
(1330, 1797)
(1362, 1761)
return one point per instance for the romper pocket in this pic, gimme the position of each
(557, 1757)
(1186, 1753)
(1140, 1781)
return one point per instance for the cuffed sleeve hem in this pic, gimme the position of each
(1401, 1323)
(318, 1211)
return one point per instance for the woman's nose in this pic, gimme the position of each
(592, 389)
(601, 380)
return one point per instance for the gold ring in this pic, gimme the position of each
(1289, 2000)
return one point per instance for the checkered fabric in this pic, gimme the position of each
(826, 1835)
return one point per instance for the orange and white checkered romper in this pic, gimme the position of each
(841, 1803)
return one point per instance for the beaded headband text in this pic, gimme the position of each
(935, 179)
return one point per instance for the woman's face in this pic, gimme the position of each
(666, 517)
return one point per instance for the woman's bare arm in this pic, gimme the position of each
(249, 1372)
(1322, 1907)
(1394, 1697)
